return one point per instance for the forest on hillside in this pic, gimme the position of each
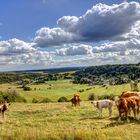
(104, 74)
(108, 74)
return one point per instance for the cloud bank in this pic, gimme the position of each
(16, 51)
(73, 39)
(101, 22)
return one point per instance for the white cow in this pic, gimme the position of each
(103, 104)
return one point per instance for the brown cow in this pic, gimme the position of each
(128, 94)
(75, 100)
(127, 103)
(3, 108)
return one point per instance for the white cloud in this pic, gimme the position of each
(47, 37)
(111, 47)
(101, 22)
(36, 57)
(15, 51)
(14, 46)
(81, 49)
(105, 53)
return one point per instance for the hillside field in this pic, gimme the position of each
(56, 89)
(61, 121)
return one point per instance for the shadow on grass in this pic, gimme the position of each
(1, 122)
(123, 121)
(93, 118)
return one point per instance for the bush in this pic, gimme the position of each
(35, 100)
(46, 100)
(62, 99)
(11, 96)
(81, 90)
(91, 96)
(111, 97)
(27, 88)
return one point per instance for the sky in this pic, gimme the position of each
(41, 34)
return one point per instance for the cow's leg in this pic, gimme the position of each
(137, 111)
(3, 115)
(120, 115)
(126, 115)
(79, 103)
(134, 111)
(110, 111)
(72, 104)
(129, 111)
(100, 112)
(75, 104)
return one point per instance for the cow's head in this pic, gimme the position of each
(94, 103)
(6, 106)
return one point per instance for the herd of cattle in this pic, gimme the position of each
(128, 101)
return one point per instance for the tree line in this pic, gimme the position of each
(111, 74)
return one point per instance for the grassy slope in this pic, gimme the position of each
(64, 88)
(59, 121)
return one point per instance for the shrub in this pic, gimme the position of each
(27, 88)
(34, 100)
(110, 96)
(92, 96)
(46, 100)
(11, 96)
(81, 90)
(62, 99)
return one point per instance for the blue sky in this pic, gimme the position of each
(48, 33)
(21, 19)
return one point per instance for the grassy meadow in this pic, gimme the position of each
(58, 121)
(56, 89)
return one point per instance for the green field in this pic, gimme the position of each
(56, 89)
(58, 121)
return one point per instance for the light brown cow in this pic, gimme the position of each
(3, 108)
(75, 100)
(129, 93)
(127, 103)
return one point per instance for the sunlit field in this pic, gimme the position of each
(57, 89)
(57, 121)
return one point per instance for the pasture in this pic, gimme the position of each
(56, 89)
(58, 121)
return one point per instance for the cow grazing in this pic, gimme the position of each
(3, 108)
(125, 94)
(126, 103)
(75, 100)
(129, 93)
(103, 104)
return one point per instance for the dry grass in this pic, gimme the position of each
(57, 121)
